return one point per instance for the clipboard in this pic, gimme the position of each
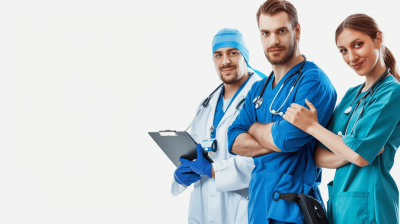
(177, 144)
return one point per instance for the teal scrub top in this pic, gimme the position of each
(367, 194)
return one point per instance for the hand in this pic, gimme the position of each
(301, 117)
(383, 149)
(184, 175)
(201, 165)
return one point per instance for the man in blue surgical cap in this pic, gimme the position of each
(220, 188)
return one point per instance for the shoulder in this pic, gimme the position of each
(316, 76)
(389, 87)
(352, 91)
(257, 85)
(312, 71)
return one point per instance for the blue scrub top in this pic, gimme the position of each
(367, 194)
(219, 111)
(293, 170)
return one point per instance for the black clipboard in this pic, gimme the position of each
(177, 144)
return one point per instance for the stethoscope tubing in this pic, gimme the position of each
(259, 100)
(205, 104)
(370, 92)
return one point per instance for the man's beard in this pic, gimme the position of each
(287, 57)
(232, 78)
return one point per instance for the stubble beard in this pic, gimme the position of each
(286, 58)
(229, 79)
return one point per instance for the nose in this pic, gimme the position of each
(225, 60)
(353, 57)
(274, 41)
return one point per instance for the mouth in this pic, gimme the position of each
(227, 69)
(275, 50)
(357, 66)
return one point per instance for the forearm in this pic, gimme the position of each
(325, 159)
(336, 144)
(261, 132)
(246, 145)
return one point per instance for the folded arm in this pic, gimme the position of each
(246, 145)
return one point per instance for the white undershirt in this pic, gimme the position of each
(226, 104)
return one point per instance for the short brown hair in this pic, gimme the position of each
(272, 7)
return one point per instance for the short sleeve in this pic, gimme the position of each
(329, 126)
(377, 123)
(322, 95)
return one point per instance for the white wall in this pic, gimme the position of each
(82, 82)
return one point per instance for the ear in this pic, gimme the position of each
(297, 30)
(378, 40)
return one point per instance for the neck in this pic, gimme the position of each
(281, 70)
(230, 89)
(374, 74)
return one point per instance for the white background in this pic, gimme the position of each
(82, 82)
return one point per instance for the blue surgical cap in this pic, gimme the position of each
(232, 38)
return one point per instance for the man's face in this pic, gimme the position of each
(278, 37)
(230, 64)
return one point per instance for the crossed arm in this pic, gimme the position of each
(256, 142)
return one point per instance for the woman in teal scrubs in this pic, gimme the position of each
(364, 132)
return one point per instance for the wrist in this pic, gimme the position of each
(209, 171)
(253, 128)
(313, 128)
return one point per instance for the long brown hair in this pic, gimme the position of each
(367, 25)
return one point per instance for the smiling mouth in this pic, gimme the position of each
(227, 70)
(358, 65)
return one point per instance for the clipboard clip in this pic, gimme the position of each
(168, 133)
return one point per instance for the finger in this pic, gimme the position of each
(289, 113)
(383, 149)
(185, 161)
(310, 105)
(291, 109)
(286, 117)
(199, 148)
(295, 105)
(186, 170)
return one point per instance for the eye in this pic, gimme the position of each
(234, 53)
(217, 55)
(357, 45)
(342, 51)
(282, 31)
(265, 33)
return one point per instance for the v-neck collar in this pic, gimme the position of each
(293, 69)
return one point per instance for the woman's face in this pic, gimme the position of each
(358, 50)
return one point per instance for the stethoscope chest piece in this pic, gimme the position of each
(347, 111)
(258, 102)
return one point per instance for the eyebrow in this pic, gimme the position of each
(351, 42)
(280, 28)
(219, 52)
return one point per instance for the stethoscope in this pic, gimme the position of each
(259, 100)
(369, 91)
(205, 104)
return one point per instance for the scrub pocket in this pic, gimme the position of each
(352, 208)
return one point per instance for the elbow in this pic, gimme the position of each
(318, 164)
(360, 161)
